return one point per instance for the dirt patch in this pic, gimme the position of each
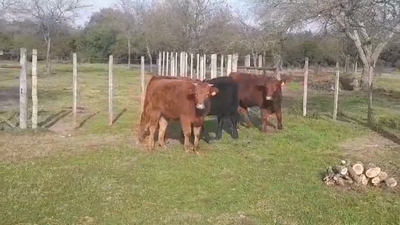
(368, 147)
(375, 149)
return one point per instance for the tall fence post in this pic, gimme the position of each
(142, 82)
(260, 63)
(172, 65)
(222, 65)
(176, 64)
(74, 89)
(213, 66)
(163, 64)
(235, 58)
(34, 90)
(201, 67)
(110, 91)
(305, 86)
(336, 98)
(159, 63)
(186, 64)
(198, 74)
(204, 66)
(247, 62)
(191, 65)
(167, 67)
(23, 101)
(346, 64)
(229, 65)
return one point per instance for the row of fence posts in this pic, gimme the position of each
(336, 92)
(183, 72)
(168, 64)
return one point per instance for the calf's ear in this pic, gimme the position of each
(213, 91)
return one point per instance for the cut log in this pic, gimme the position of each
(342, 170)
(354, 175)
(375, 181)
(358, 167)
(348, 180)
(391, 182)
(364, 179)
(338, 179)
(383, 175)
(328, 179)
(372, 171)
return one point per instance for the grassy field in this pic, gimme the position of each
(97, 175)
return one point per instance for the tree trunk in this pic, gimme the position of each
(47, 39)
(150, 57)
(129, 51)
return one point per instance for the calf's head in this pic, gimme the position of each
(201, 91)
(269, 87)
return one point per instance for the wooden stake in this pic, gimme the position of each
(34, 90)
(74, 89)
(305, 86)
(142, 82)
(110, 91)
(336, 97)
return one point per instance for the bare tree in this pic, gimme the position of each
(49, 14)
(370, 24)
(6, 7)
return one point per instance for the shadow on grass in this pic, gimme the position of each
(375, 128)
(87, 118)
(119, 115)
(174, 130)
(53, 119)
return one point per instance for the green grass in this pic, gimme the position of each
(98, 176)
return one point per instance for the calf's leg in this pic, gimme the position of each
(234, 120)
(196, 132)
(152, 129)
(163, 124)
(244, 111)
(279, 118)
(264, 118)
(187, 131)
(220, 125)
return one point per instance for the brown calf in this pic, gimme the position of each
(175, 99)
(264, 92)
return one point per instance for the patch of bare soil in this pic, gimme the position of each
(368, 147)
(375, 149)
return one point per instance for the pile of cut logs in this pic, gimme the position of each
(357, 173)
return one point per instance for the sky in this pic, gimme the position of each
(97, 5)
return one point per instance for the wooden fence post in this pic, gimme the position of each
(176, 64)
(336, 98)
(204, 67)
(198, 67)
(159, 63)
(163, 64)
(191, 65)
(34, 90)
(186, 64)
(74, 89)
(142, 82)
(222, 65)
(173, 65)
(260, 63)
(110, 91)
(201, 67)
(247, 62)
(235, 58)
(167, 67)
(23, 101)
(229, 65)
(305, 86)
(213, 66)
